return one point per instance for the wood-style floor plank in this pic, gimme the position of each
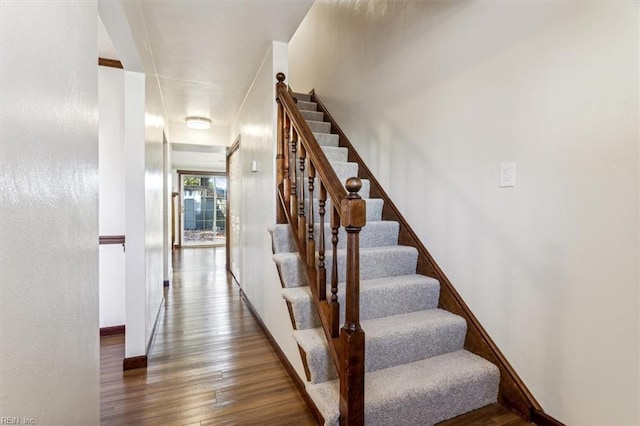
(211, 365)
(492, 415)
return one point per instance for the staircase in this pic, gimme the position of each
(417, 370)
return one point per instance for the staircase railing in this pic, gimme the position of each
(300, 163)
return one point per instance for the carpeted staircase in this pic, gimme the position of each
(417, 370)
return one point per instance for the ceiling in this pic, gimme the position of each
(205, 53)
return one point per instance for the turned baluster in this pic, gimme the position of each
(302, 222)
(286, 181)
(280, 214)
(322, 272)
(334, 305)
(311, 244)
(293, 206)
(352, 359)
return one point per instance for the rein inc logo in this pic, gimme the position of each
(17, 421)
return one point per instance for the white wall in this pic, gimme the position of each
(144, 164)
(255, 123)
(434, 95)
(144, 206)
(49, 362)
(112, 194)
(134, 160)
(154, 197)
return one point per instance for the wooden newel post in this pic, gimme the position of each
(353, 218)
(280, 147)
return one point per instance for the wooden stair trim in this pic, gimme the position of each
(513, 393)
(541, 418)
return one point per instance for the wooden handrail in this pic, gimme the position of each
(334, 187)
(302, 171)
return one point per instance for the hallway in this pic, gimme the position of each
(210, 362)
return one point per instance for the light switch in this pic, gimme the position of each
(254, 166)
(507, 174)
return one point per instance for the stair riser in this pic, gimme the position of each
(319, 126)
(336, 153)
(313, 115)
(372, 265)
(384, 352)
(302, 97)
(307, 106)
(325, 139)
(374, 209)
(344, 171)
(374, 303)
(364, 191)
(374, 234)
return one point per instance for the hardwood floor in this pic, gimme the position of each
(492, 415)
(210, 363)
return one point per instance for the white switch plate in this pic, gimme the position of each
(507, 174)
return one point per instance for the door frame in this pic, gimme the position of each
(182, 173)
(230, 151)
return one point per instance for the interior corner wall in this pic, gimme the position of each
(50, 359)
(154, 197)
(255, 124)
(144, 167)
(112, 195)
(434, 95)
(135, 262)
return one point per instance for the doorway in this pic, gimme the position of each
(204, 209)
(233, 207)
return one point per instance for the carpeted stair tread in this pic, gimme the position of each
(377, 233)
(319, 126)
(379, 297)
(390, 341)
(424, 392)
(313, 115)
(302, 97)
(327, 139)
(375, 262)
(307, 106)
(334, 153)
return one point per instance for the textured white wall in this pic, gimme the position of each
(144, 164)
(255, 123)
(49, 362)
(434, 95)
(149, 175)
(154, 196)
(134, 143)
(112, 194)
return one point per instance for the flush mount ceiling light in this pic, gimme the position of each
(199, 123)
